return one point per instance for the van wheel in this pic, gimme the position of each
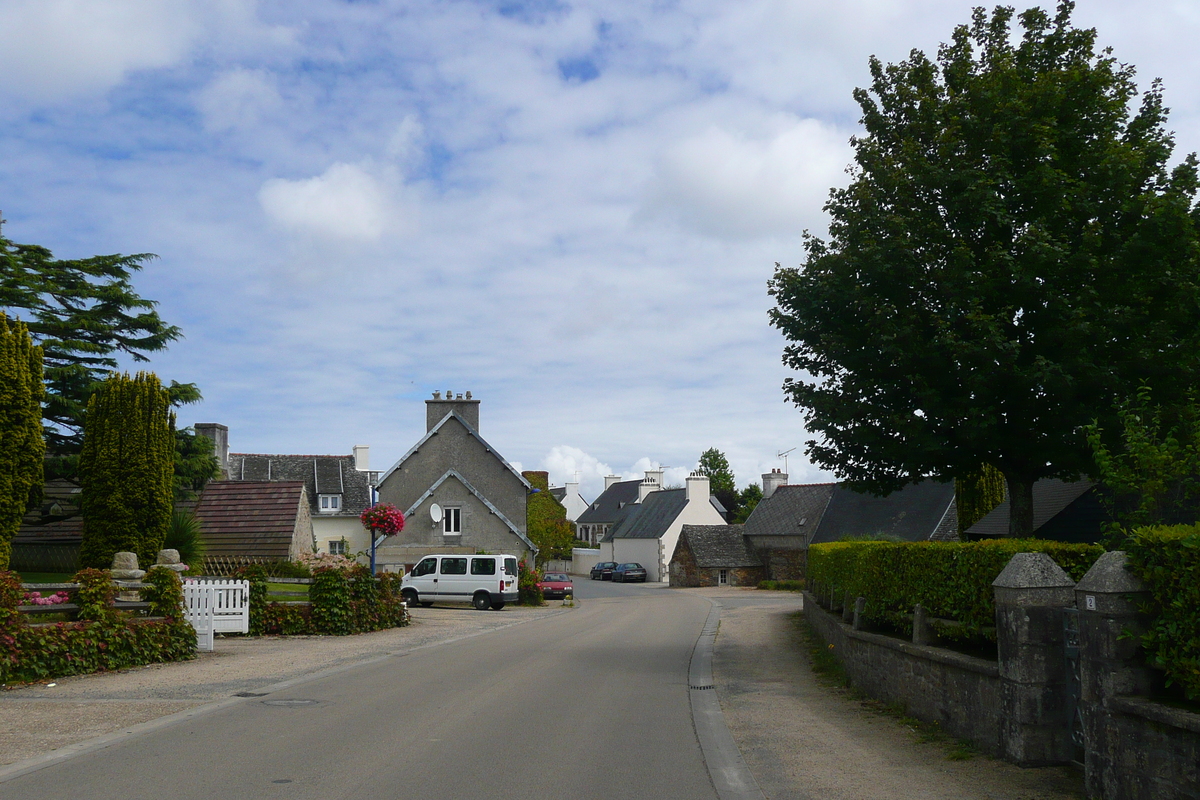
(483, 601)
(410, 597)
(499, 604)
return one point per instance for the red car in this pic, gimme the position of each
(556, 584)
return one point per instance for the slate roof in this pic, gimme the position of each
(604, 508)
(558, 492)
(1063, 511)
(650, 518)
(250, 518)
(720, 546)
(912, 513)
(66, 531)
(319, 474)
(782, 513)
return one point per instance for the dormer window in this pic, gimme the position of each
(330, 503)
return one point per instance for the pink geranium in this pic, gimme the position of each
(383, 518)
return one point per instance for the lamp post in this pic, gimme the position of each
(381, 518)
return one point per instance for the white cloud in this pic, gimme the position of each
(344, 202)
(57, 48)
(729, 184)
(238, 99)
(565, 463)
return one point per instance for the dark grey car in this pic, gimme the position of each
(603, 570)
(629, 573)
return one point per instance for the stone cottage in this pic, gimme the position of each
(715, 555)
(458, 494)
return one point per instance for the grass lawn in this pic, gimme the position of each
(46, 577)
(287, 587)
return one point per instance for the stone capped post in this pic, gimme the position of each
(1031, 594)
(1110, 666)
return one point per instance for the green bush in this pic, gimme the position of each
(184, 535)
(528, 591)
(1167, 559)
(164, 592)
(108, 640)
(341, 602)
(951, 580)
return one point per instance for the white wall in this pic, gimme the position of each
(334, 528)
(583, 559)
(642, 551)
(696, 512)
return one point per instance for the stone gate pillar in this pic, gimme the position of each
(1031, 594)
(1110, 665)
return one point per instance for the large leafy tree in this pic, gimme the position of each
(21, 444)
(546, 520)
(1011, 255)
(127, 469)
(86, 315)
(721, 483)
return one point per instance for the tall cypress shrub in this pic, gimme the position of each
(22, 447)
(126, 469)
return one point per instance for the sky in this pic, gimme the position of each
(571, 210)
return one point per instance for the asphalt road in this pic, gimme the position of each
(591, 703)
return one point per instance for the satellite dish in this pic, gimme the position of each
(435, 512)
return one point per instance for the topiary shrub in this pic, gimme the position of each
(1167, 559)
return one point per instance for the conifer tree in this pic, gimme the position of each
(126, 469)
(21, 445)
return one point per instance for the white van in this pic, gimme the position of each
(484, 581)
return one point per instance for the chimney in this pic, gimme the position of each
(362, 457)
(437, 409)
(655, 475)
(609, 480)
(647, 486)
(771, 481)
(697, 488)
(219, 434)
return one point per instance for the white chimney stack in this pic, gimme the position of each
(647, 486)
(771, 481)
(609, 480)
(362, 457)
(697, 488)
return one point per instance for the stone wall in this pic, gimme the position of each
(961, 693)
(1023, 707)
(785, 565)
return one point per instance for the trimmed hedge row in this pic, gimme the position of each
(102, 639)
(1167, 559)
(951, 580)
(341, 602)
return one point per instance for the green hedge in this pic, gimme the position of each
(342, 602)
(1167, 559)
(951, 580)
(103, 639)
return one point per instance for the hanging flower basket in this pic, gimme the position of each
(383, 518)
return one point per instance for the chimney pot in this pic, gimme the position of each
(468, 395)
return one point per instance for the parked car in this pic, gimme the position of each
(556, 585)
(603, 571)
(483, 581)
(628, 573)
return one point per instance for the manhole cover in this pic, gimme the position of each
(289, 702)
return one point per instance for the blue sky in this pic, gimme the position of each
(571, 210)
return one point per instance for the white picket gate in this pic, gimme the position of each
(216, 606)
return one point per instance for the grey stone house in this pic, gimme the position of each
(789, 518)
(458, 494)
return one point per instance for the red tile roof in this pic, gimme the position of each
(250, 518)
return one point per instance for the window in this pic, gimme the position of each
(452, 520)
(483, 566)
(510, 566)
(723, 577)
(337, 547)
(427, 566)
(454, 566)
(330, 503)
